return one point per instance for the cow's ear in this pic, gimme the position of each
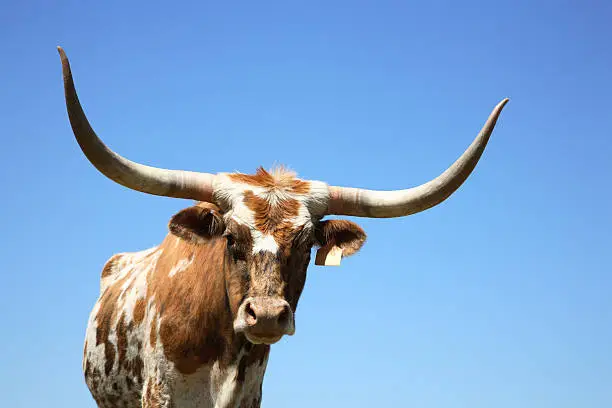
(337, 238)
(197, 224)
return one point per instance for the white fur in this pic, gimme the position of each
(264, 243)
(226, 392)
(181, 265)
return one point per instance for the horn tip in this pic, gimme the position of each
(62, 53)
(64, 60)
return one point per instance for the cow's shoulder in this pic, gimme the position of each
(122, 264)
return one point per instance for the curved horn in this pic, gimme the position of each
(386, 204)
(152, 180)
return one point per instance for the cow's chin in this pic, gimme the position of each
(262, 340)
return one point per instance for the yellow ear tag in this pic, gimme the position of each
(327, 256)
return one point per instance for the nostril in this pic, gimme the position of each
(283, 317)
(251, 317)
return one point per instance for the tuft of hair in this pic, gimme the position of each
(279, 178)
(280, 173)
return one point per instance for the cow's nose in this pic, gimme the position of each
(266, 316)
(266, 319)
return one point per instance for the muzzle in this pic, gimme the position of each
(264, 319)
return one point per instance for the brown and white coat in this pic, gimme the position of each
(168, 328)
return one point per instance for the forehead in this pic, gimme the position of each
(273, 205)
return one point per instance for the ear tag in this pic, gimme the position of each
(329, 256)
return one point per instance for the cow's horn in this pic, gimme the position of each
(386, 204)
(152, 180)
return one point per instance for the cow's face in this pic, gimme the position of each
(269, 222)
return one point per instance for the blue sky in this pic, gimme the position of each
(499, 297)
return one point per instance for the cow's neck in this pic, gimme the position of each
(240, 382)
(195, 323)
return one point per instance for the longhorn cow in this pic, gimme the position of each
(189, 323)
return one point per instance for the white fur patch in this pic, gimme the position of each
(227, 385)
(263, 243)
(181, 265)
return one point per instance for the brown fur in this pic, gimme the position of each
(189, 223)
(110, 265)
(139, 311)
(153, 397)
(342, 233)
(255, 402)
(288, 237)
(153, 333)
(294, 270)
(273, 218)
(85, 352)
(257, 355)
(268, 216)
(243, 241)
(122, 342)
(105, 319)
(266, 278)
(196, 300)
